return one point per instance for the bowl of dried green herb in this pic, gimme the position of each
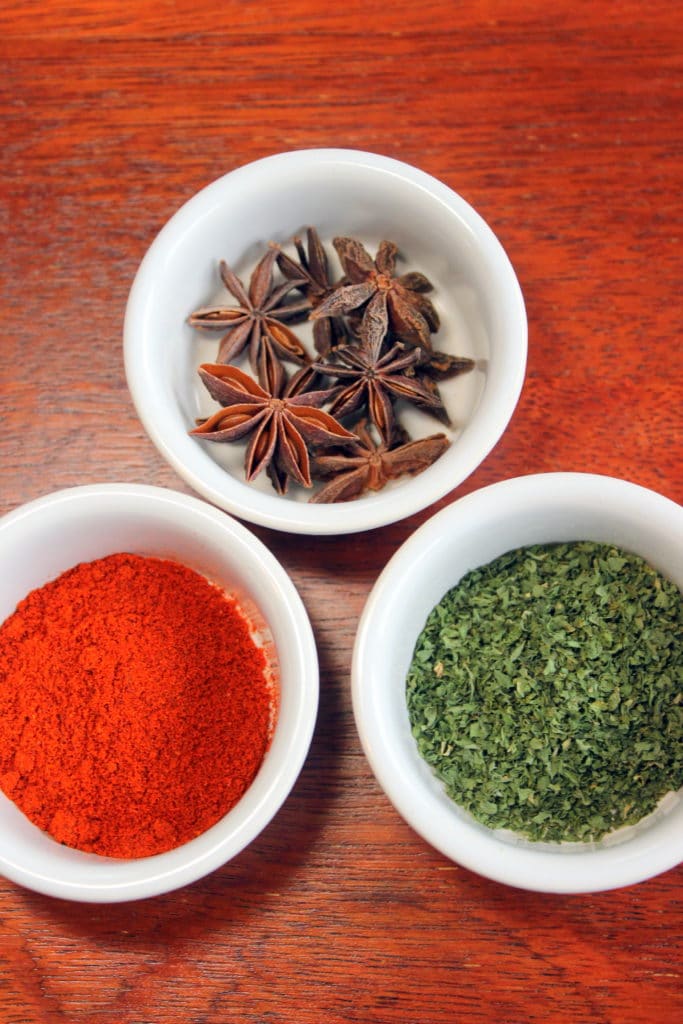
(325, 341)
(523, 710)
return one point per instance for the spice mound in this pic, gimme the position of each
(135, 706)
(545, 691)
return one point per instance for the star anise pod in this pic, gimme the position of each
(330, 331)
(374, 382)
(368, 466)
(442, 365)
(257, 321)
(432, 367)
(305, 380)
(388, 302)
(282, 427)
(312, 266)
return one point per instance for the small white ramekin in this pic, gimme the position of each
(341, 192)
(46, 537)
(469, 533)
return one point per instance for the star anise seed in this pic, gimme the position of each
(392, 302)
(304, 381)
(282, 427)
(442, 365)
(375, 382)
(257, 321)
(368, 466)
(312, 266)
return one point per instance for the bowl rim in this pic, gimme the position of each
(466, 842)
(271, 510)
(171, 870)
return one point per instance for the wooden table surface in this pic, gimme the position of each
(561, 124)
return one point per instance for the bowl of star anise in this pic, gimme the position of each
(325, 341)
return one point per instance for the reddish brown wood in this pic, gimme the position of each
(561, 124)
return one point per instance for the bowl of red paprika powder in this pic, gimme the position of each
(158, 691)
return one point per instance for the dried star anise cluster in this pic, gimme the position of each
(336, 418)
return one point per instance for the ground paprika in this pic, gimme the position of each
(135, 706)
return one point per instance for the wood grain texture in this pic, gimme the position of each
(561, 124)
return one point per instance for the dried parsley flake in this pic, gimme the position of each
(546, 691)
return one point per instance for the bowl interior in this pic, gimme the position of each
(45, 538)
(339, 192)
(470, 533)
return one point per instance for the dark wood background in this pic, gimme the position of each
(561, 124)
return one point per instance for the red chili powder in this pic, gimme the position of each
(135, 706)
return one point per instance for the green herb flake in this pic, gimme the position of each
(545, 691)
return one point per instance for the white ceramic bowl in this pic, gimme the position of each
(467, 534)
(41, 540)
(340, 192)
